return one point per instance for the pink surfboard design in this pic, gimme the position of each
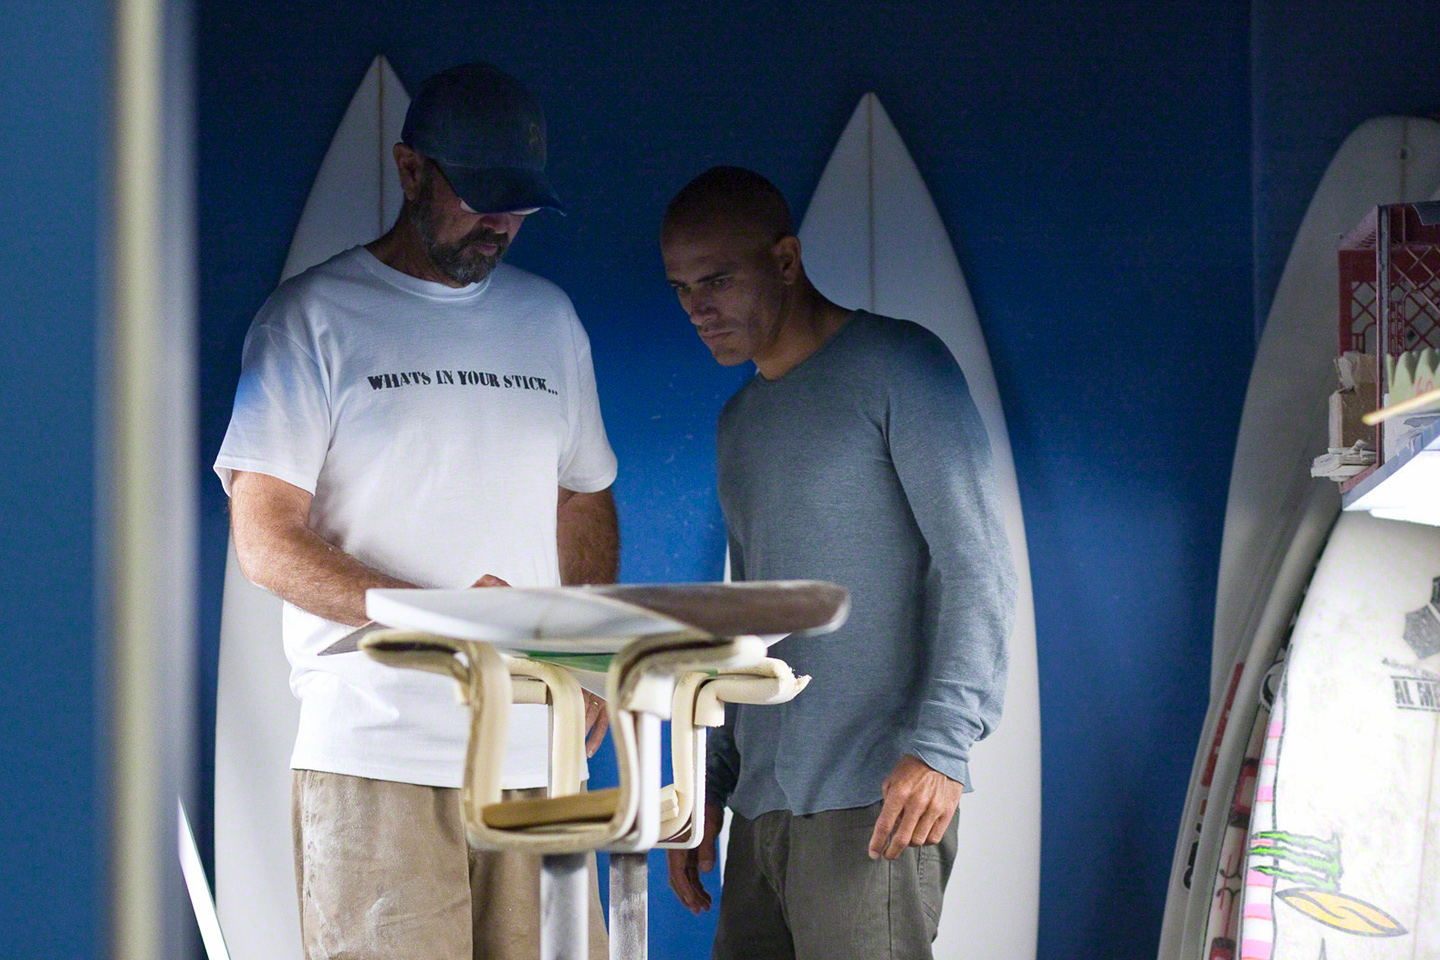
(1257, 924)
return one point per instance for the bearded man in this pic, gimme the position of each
(413, 412)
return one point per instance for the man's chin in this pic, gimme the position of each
(470, 271)
(727, 357)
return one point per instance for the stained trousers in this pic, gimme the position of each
(384, 872)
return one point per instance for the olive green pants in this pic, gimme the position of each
(805, 888)
(385, 873)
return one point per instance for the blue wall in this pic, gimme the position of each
(52, 855)
(1378, 59)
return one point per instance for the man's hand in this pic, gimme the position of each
(687, 865)
(597, 721)
(919, 804)
(597, 718)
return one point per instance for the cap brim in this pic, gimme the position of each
(501, 189)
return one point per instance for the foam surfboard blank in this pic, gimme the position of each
(354, 199)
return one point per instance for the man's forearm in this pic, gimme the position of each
(722, 762)
(279, 553)
(319, 578)
(588, 535)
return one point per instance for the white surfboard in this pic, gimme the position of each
(1227, 889)
(1283, 424)
(873, 239)
(1346, 863)
(1221, 759)
(1258, 650)
(355, 198)
(1274, 507)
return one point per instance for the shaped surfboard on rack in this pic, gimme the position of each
(873, 239)
(601, 619)
(1274, 509)
(1344, 859)
(580, 628)
(355, 198)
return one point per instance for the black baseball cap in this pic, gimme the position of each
(487, 133)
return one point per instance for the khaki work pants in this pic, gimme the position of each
(384, 873)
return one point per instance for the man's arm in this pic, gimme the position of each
(280, 553)
(722, 773)
(942, 456)
(588, 532)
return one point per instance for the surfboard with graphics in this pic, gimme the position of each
(355, 198)
(1283, 425)
(1274, 508)
(872, 238)
(1227, 891)
(1344, 862)
(1254, 936)
(1209, 807)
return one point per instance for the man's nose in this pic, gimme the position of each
(698, 306)
(496, 222)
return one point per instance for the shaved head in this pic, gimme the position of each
(733, 260)
(730, 197)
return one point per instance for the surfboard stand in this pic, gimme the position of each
(684, 675)
(629, 905)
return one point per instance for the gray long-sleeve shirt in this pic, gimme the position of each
(867, 464)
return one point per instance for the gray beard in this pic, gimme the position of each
(455, 260)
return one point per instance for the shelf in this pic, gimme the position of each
(1407, 485)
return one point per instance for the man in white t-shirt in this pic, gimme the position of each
(413, 412)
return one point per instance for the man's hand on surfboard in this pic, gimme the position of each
(687, 865)
(597, 721)
(597, 718)
(919, 804)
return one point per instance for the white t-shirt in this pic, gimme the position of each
(432, 427)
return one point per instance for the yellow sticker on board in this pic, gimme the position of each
(1343, 913)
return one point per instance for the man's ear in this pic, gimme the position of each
(411, 166)
(787, 257)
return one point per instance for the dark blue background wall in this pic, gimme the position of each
(52, 109)
(1319, 70)
(1094, 167)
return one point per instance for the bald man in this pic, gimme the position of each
(855, 455)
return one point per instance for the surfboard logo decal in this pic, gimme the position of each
(1422, 627)
(1342, 912)
(1417, 693)
(1307, 859)
(1314, 864)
